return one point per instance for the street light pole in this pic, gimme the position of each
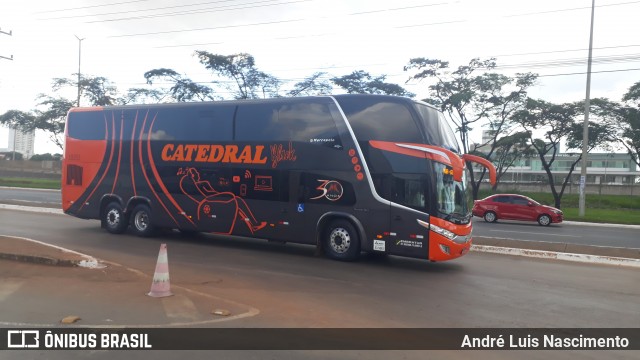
(79, 60)
(585, 130)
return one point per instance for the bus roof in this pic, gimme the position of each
(390, 98)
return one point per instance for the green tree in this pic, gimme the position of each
(312, 85)
(547, 125)
(240, 69)
(457, 93)
(467, 99)
(51, 117)
(361, 82)
(51, 110)
(11, 155)
(507, 151)
(17, 119)
(183, 89)
(554, 122)
(628, 127)
(98, 90)
(141, 96)
(42, 157)
(499, 97)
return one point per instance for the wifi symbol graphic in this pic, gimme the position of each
(247, 174)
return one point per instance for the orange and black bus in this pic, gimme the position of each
(347, 173)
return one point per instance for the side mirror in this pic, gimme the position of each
(530, 204)
(484, 162)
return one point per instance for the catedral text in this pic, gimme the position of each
(214, 153)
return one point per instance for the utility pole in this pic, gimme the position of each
(79, 60)
(6, 33)
(585, 130)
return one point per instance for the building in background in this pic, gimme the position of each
(602, 168)
(22, 142)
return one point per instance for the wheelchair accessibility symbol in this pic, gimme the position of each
(300, 208)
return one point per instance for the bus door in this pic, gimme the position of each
(406, 236)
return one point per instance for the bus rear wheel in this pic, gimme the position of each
(141, 221)
(113, 219)
(341, 241)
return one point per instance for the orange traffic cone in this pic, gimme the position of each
(160, 286)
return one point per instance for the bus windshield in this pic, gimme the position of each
(437, 128)
(453, 197)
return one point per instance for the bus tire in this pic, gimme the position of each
(113, 219)
(341, 241)
(141, 221)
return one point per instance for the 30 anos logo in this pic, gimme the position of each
(330, 189)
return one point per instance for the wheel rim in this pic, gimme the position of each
(544, 220)
(340, 240)
(113, 218)
(490, 217)
(141, 220)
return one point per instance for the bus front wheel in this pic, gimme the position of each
(141, 221)
(341, 241)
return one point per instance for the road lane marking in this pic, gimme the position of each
(533, 233)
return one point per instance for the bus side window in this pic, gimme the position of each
(370, 120)
(403, 189)
(307, 122)
(87, 125)
(208, 124)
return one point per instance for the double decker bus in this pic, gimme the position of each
(347, 173)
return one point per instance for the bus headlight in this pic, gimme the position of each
(444, 232)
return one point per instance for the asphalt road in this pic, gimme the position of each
(565, 233)
(573, 233)
(291, 287)
(31, 197)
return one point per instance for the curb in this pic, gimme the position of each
(627, 226)
(40, 260)
(553, 255)
(558, 247)
(89, 263)
(85, 260)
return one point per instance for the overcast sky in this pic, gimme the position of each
(292, 39)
